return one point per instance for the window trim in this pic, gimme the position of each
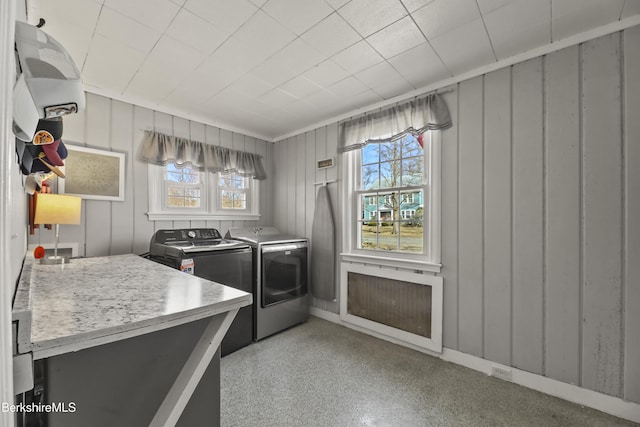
(430, 261)
(157, 211)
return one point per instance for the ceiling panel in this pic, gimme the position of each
(298, 15)
(575, 16)
(331, 35)
(398, 37)
(517, 25)
(370, 16)
(163, 11)
(442, 16)
(274, 66)
(195, 32)
(465, 48)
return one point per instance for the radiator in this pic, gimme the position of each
(399, 304)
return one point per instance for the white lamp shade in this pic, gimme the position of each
(57, 209)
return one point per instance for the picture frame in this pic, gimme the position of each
(93, 173)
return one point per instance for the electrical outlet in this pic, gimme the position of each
(500, 372)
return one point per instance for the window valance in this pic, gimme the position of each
(161, 149)
(416, 117)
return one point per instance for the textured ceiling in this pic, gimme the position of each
(271, 67)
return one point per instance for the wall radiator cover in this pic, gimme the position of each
(399, 304)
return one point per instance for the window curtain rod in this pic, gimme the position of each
(161, 149)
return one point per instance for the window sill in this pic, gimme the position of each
(174, 216)
(387, 261)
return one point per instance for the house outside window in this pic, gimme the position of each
(403, 226)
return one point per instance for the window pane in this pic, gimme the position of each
(238, 182)
(191, 179)
(176, 202)
(369, 207)
(390, 150)
(192, 202)
(370, 154)
(192, 192)
(174, 176)
(390, 174)
(176, 191)
(227, 199)
(370, 177)
(411, 237)
(239, 204)
(413, 171)
(411, 146)
(171, 167)
(369, 235)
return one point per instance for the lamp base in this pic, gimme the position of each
(52, 260)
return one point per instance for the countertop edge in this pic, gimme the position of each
(78, 342)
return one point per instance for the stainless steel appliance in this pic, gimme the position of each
(281, 270)
(204, 253)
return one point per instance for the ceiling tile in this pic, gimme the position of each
(325, 73)
(277, 98)
(323, 100)
(251, 86)
(348, 87)
(360, 100)
(163, 11)
(413, 5)
(153, 82)
(264, 34)
(518, 27)
(331, 35)
(76, 12)
(124, 30)
(487, 6)
(226, 15)
(379, 73)
(443, 16)
(273, 71)
(227, 57)
(393, 88)
(575, 16)
(300, 87)
(630, 8)
(175, 56)
(465, 48)
(99, 68)
(258, 3)
(369, 16)
(337, 4)
(357, 57)
(194, 31)
(396, 38)
(298, 56)
(298, 15)
(420, 65)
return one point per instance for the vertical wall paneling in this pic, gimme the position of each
(632, 214)
(142, 227)
(266, 186)
(470, 217)
(497, 216)
(449, 234)
(528, 167)
(98, 212)
(310, 175)
(540, 208)
(163, 123)
(300, 186)
(122, 212)
(602, 240)
(212, 137)
(562, 257)
(292, 202)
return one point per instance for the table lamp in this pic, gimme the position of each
(57, 209)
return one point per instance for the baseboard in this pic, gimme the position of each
(572, 393)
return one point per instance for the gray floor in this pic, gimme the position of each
(323, 374)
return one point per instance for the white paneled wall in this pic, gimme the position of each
(111, 228)
(540, 213)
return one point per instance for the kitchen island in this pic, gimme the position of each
(126, 340)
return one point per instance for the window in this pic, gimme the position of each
(182, 187)
(402, 225)
(188, 193)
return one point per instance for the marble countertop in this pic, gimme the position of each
(93, 301)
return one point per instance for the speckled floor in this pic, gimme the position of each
(323, 374)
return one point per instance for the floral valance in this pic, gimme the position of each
(161, 149)
(416, 117)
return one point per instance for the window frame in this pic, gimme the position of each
(211, 206)
(428, 261)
